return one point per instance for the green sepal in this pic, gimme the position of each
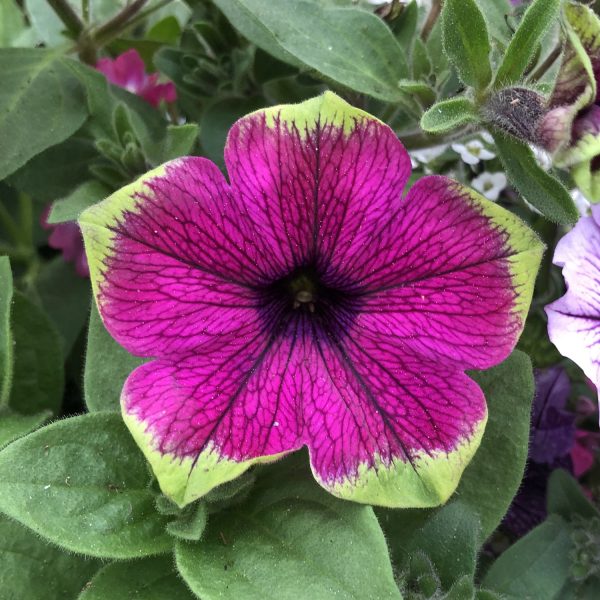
(190, 524)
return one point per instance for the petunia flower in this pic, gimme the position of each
(552, 440)
(427, 155)
(490, 184)
(66, 237)
(574, 319)
(571, 127)
(306, 303)
(128, 71)
(473, 152)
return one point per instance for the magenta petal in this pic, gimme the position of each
(344, 177)
(439, 277)
(574, 319)
(184, 267)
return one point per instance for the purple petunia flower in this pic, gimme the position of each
(128, 71)
(574, 319)
(551, 441)
(66, 237)
(306, 303)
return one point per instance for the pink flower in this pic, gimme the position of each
(67, 238)
(128, 71)
(306, 302)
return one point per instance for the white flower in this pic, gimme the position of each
(426, 155)
(472, 152)
(581, 202)
(490, 184)
(486, 136)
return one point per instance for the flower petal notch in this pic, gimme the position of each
(307, 303)
(574, 319)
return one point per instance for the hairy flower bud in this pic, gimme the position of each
(517, 111)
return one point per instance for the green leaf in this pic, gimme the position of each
(566, 498)
(492, 478)
(289, 541)
(6, 350)
(107, 366)
(69, 208)
(38, 377)
(34, 570)
(450, 114)
(65, 297)
(537, 566)
(524, 44)
(14, 425)
(348, 45)
(147, 579)
(466, 42)
(217, 119)
(179, 141)
(450, 538)
(421, 64)
(191, 524)
(38, 94)
(82, 483)
(12, 23)
(542, 190)
(405, 27)
(495, 12)
(57, 171)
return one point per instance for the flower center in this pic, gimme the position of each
(303, 287)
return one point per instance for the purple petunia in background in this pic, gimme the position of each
(307, 303)
(551, 440)
(574, 319)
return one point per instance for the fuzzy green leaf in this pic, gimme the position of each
(539, 188)
(348, 45)
(466, 42)
(524, 44)
(38, 94)
(82, 483)
(191, 523)
(448, 115)
(107, 366)
(147, 579)
(6, 351)
(69, 208)
(32, 569)
(38, 377)
(14, 425)
(566, 498)
(289, 541)
(537, 566)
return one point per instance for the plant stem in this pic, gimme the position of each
(545, 66)
(85, 11)
(67, 15)
(432, 17)
(114, 26)
(9, 224)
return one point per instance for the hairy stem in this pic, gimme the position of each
(64, 11)
(115, 25)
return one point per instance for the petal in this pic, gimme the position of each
(319, 177)
(452, 275)
(574, 319)
(386, 426)
(203, 420)
(173, 261)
